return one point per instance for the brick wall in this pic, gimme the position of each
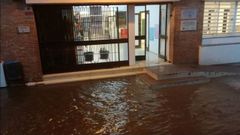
(16, 46)
(184, 46)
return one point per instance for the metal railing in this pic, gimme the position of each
(101, 53)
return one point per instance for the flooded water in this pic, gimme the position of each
(122, 106)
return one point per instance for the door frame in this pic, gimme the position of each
(166, 32)
(140, 37)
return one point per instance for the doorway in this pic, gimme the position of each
(151, 26)
(141, 44)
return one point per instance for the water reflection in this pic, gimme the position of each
(110, 103)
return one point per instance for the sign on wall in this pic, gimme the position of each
(28, 12)
(188, 19)
(23, 29)
(188, 25)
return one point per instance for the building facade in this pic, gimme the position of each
(221, 33)
(54, 36)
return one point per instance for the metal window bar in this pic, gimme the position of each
(95, 23)
(238, 17)
(221, 18)
(97, 53)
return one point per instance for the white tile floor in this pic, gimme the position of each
(152, 59)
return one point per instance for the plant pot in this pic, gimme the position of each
(88, 56)
(104, 54)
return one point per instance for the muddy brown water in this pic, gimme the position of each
(122, 106)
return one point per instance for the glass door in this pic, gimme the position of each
(163, 31)
(153, 31)
(147, 30)
(140, 32)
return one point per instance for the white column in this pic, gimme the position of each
(131, 34)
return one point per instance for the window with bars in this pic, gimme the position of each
(221, 18)
(238, 18)
(100, 22)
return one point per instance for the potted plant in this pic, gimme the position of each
(104, 53)
(88, 56)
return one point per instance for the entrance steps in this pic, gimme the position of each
(161, 76)
(165, 78)
(174, 79)
(188, 74)
(89, 75)
(179, 82)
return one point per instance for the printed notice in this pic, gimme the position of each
(188, 25)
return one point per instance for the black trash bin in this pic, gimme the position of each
(13, 73)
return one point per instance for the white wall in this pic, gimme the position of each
(221, 40)
(220, 50)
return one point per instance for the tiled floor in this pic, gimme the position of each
(152, 59)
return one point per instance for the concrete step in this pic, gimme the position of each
(176, 75)
(186, 74)
(179, 78)
(179, 82)
(91, 75)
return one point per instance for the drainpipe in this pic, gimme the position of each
(131, 34)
